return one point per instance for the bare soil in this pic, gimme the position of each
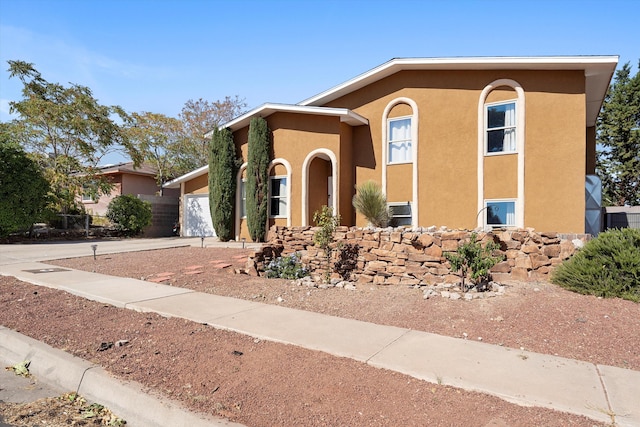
(260, 383)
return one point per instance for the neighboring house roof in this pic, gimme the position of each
(598, 72)
(175, 183)
(265, 110)
(127, 167)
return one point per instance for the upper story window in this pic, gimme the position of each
(278, 197)
(399, 140)
(501, 127)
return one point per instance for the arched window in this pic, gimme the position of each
(501, 130)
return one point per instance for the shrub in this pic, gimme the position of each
(473, 258)
(129, 214)
(257, 187)
(288, 267)
(607, 266)
(23, 189)
(347, 260)
(323, 238)
(370, 202)
(222, 182)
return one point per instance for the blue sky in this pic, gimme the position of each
(155, 55)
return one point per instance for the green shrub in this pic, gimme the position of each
(474, 259)
(129, 214)
(607, 266)
(288, 267)
(323, 238)
(371, 202)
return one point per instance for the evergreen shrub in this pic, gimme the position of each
(607, 266)
(129, 214)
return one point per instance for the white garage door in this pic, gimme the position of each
(197, 218)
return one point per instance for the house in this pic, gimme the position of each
(457, 142)
(126, 179)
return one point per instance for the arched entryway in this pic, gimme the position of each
(320, 183)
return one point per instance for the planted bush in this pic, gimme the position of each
(371, 202)
(607, 266)
(287, 267)
(129, 214)
(474, 260)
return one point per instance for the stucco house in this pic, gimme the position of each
(457, 142)
(126, 179)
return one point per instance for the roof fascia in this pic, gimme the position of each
(175, 183)
(265, 110)
(598, 72)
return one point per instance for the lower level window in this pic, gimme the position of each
(501, 213)
(278, 197)
(400, 214)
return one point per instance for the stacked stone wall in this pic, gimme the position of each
(416, 257)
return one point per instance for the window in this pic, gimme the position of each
(399, 140)
(501, 128)
(500, 213)
(278, 197)
(86, 195)
(243, 198)
(400, 214)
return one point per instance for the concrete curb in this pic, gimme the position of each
(128, 400)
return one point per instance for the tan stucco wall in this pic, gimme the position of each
(448, 137)
(558, 148)
(198, 185)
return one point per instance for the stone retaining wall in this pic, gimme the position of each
(416, 257)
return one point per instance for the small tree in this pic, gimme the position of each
(323, 238)
(23, 188)
(371, 202)
(474, 259)
(222, 182)
(129, 214)
(257, 185)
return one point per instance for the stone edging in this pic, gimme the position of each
(416, 256)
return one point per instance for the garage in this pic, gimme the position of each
(197, 217)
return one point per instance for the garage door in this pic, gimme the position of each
(197, 218)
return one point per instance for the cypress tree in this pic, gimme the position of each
(258, 178)
(222, 182)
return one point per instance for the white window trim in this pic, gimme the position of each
(414, 148)
(285, 196)
(243, 182)
(520, 146)
(238, 198)
(324, 154)
(389, 120)
(486, 128)
(391, 204)
(488, 226)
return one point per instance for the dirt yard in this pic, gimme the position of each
(259, 383)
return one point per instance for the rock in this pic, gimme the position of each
(468, 296)
(350, 287)
(121, 343)
(280, 299)
(445, 294)
(455, 296)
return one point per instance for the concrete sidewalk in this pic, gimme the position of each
(522, 377)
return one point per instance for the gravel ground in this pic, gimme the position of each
(260, 383)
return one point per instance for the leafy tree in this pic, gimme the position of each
(618, 134)
(257, 185)
(222, 182)
(129, 214)
(159, 139)
(474, 259)
(199, 117)
(68, 131)
(23, 187)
